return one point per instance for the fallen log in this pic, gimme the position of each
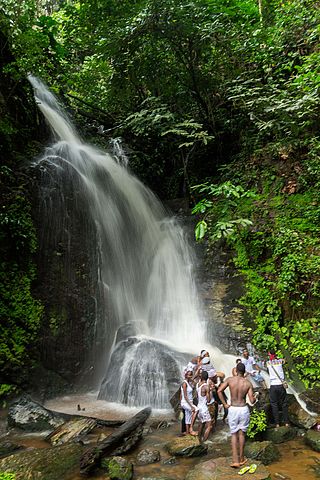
(130, 432)
(71, 431)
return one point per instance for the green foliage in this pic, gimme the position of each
(20, 313)
(277, 253)
(258, 423)
(191, 132)
(231, 193)
(7, 476)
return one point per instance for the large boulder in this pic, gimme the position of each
(312, 438)
(265, 452)
(219, 469)
(118, 468)
(144, 359)
(280, 434)
(299, 417)
(29, 415)
(53, 463)
(187, 446)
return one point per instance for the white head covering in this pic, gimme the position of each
(212, 373)
(203, 353)
(188, 368)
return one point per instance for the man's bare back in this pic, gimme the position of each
(239, 387)
(239, 413)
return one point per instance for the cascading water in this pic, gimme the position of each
(144, 272)
(145, 267)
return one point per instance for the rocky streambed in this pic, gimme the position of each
(157, 451)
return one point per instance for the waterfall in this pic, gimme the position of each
(145, 266)
(148, 318)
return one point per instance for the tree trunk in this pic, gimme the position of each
(92, 456)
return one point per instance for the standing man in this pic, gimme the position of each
(252, 368)
(278, 394)
(239, 413)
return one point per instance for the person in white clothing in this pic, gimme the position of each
(277, 393)
(252, 368)
(204, 397)
(190, 410)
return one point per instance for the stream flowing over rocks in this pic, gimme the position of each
(134, 449)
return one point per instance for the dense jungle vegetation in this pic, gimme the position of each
(217, 100)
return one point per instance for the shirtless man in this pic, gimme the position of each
(239, 414)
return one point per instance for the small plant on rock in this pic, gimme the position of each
(258, 423)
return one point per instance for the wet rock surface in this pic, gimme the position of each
(312, 438)
(53, 463)
(154, 357)
(265, 451)
(155, 478)
(220, 289)
(118, 468)
(148, 456)
(280, 434)
(300, 417)
(219, 469)
(29, 415)
(187, 446)
(7, 448)
(312, 399)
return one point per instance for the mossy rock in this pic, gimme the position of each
(266, 452)
(53, 463)
(187, 446)
(118, 468)
(280, 434)
(7, 448)
(312, 438)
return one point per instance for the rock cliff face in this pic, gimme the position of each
(68, 273)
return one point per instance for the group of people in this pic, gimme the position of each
(203, 390)
(199, 397)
